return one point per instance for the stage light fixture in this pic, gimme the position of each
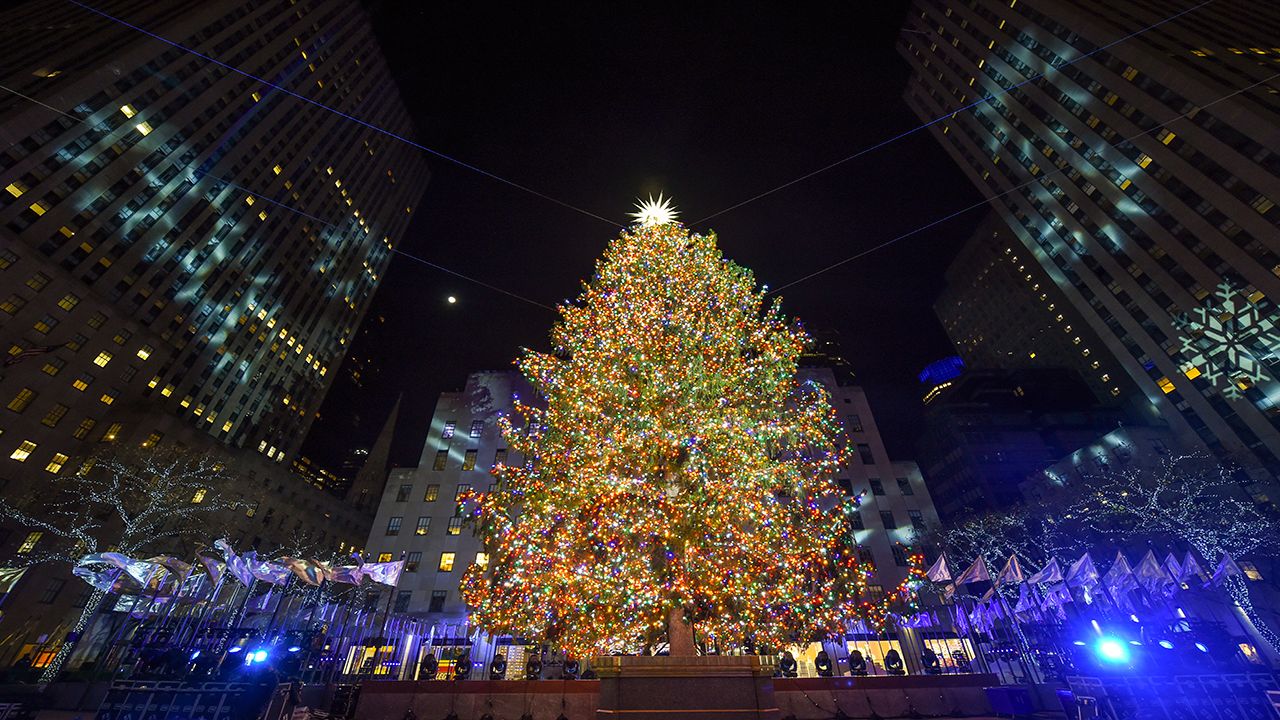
(1134, 618)
(1112, 650)
(294, 649)
(1166, 644)
(1201, 647)
(235, 649)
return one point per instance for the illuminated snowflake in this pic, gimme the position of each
(1228, 339)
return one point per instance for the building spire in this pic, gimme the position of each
(366, 489)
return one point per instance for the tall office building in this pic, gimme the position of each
(417, 517)
(1131, 150)
(179, 240)
(1001, 310)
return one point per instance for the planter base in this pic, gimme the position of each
(708, 687)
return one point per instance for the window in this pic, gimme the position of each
(152, 440)
(904, 487)
(103, 358)
(198, 497)
(442, 457)
(499, 457)
(55, 465)
(97, 320)
(886, 519)
(877, 487)
(402, 494)
(899, 556)
(469, 460)
(412, 561)
(68, 301)
(384, 557)
(24, 451)
(393, 525)
(13, 304)
(866, 557)
(402, 600)
(45, 324)
(54, 416)
(437, 600)
(446, 562)
(22, 400)
(251, 509)
(82, 383)
(477, 428)
(29, 543)
(54, 366)
(145, 351)
(1249, 569)
(433, 492)
(856, 521)
(52, 590)
(38, 281)
(449, 427)
(853, 423)
(113, 431)
(864, 452)
(876, 592)
(455, 526)
(482, 559)
(424, 526)
(109, 396)
(84, 428)
(463, 489)
(917, 519)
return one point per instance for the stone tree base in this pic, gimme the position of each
(708, 687)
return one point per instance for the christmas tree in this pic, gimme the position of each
(678, 474)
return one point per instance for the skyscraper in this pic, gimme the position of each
(183, 245)
(1131, 150)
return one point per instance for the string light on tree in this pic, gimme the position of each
(678, 474)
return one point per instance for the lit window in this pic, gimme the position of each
(1165, 385)
(446, 562)
(442, 457)
(107, 397)
(128, 111)
(22, 400)
(251, 509)
(384, 557)
(54, 416)
(39, 208)
(449, 427)
(277, 169)
(84, 428)
(55, 465)
(103, 358)
(477, 428)
(45, 324)
(482, 559)
(463, 489)
(469, 460)
(16, 189)
(29, 543)
(198, 497)
(256, 97)
(145, 351)
(455, 526)
(433, 492)
(24, 451)
(424, 526)
(152, 440)
(68, 301)
(113, 431)
(144, 128)
(1192, 372)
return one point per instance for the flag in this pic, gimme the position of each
(141, 571)
(213, 567)
(1174, 568)
(939, 572)
(235, 564)
(1049, 574)
(265, 570)
(385, 573)
(1226, 568)
(30, 352)
(1082, 572)
(976, 573)
(304, 570)
(1119, 578)
(1012, 572)
(10, 577)
(1151, 575)
(1191, 568)
(1026, 599)
(103, 580)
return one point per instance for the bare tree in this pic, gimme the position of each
(1034, 535)
(1188, 499)
(129, 500)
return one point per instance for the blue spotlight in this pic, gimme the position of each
(1081, 643)
(195, 654)
(1135, 642)
(235, 649)
(1201, 647)
(1166, 644)
(1112, 650)
(1134, 618)
(260, 656)
(294, 648)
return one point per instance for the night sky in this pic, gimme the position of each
(601, 104)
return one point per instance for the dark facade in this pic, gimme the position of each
(1130, 149)
(989, 430)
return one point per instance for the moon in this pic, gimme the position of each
(452, 299)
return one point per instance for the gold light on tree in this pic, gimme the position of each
(679, 472)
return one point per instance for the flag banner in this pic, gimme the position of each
(939, 572)
(1226, 568)
(976, 573)
(1174, 568)
(1152, 576)
(1191, 568)
(103, 580)
(30, 352)
(304, 570)
(384, 573)
(213, 567)
(235, 564)
(10, 577)
(141, 571)
(265, 570)
(1026, 600)
(1082, 572)
(1012, 572)
(1049, 574)
(1119, 578)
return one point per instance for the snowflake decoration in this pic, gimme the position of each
(1228, 339)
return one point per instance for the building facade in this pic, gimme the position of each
(1002, 311)
(186, 249)
(1131, 152)
(417, 518)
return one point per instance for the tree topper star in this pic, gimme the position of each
(654, 212)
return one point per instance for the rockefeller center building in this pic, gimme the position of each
(191, 233)
(1130, 150)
